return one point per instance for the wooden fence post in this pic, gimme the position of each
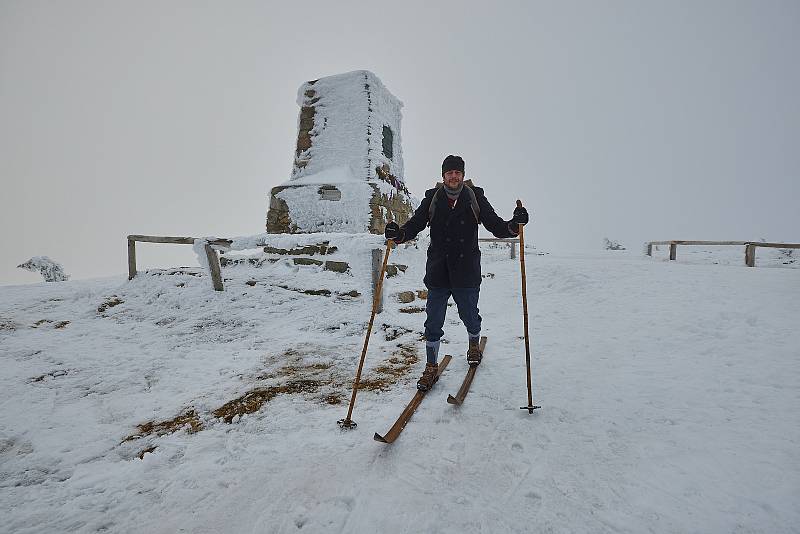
(749, 251)
(213, 265)
(750, 255)
(377, 263)
(131, 259)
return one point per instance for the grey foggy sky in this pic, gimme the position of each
(632, 120)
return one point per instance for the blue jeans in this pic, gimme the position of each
(436, 308)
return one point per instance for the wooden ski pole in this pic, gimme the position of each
(530, 407)
(348, 423)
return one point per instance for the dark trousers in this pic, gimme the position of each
(436, 308)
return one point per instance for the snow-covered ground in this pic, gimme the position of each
(669, 395)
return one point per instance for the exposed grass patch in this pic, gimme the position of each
(291, 353)
(163, 428)
(333, 399)
(316, 380)
(390, 372)
(301, 379)
(412, 309)
(59, 325)
(394, 332)
(109, 303)
(253, 400)
(295, 371)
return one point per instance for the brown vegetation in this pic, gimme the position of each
(109, 303)
(162, 428)
(389, 373)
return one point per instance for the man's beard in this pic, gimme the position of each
(454, 190)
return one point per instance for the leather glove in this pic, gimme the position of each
(520, 216)
(393, 232)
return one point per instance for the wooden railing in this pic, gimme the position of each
(211, 254)
(513, 242)
(213, 258)
(749, 247)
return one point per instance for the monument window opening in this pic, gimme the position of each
(388, 142)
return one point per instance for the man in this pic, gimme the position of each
(453, 209)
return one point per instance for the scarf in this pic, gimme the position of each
(453, 194)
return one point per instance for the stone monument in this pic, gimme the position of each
(347, 174)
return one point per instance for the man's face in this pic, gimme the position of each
(453, 179)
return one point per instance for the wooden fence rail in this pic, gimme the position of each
(749, 247)
(213, 258)
(513, 243)
(211, 254)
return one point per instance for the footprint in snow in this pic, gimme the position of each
(517, 447)
(534, 498)
(347, 502)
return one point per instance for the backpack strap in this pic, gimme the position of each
(473, 201)
(432, 207)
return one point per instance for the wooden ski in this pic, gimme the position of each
(464, 389)
(400, 424)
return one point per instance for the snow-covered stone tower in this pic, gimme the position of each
(348, 167)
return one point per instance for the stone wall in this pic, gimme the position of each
(384, 207)
(278, 220)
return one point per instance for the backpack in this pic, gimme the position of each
(473, 201)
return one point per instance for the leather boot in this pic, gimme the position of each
(429, 377)
(474, 354)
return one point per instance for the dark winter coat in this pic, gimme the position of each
(454, 259)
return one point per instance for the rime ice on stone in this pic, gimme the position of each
(50, 270)
(347, 174)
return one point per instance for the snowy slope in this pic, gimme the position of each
(669, 394)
